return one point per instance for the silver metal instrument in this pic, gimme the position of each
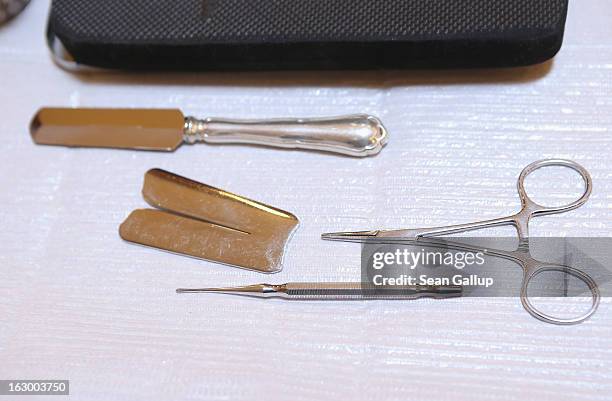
(331, 291)
(358, 135)
(194, 219)
(521, 256)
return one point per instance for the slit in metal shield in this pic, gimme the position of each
(201, 221)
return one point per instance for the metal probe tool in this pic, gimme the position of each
(333, 291)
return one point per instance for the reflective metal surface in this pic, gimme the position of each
(201, 221)
(531, 267)
(355, 135)
(165, 130)
(60, 55)
(331, 291)
(144, 129)
(64, 59)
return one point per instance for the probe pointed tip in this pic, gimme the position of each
(187, 290)
(253, 290)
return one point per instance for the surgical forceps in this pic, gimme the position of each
(531, 267)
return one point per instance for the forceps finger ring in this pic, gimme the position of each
(535, 270)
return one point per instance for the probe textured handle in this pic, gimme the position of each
(355, 135)
(355, 291)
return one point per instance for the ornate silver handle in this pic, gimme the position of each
(355, 135)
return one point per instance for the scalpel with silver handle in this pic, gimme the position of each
(357, 135)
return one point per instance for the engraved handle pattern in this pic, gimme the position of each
(354, 135)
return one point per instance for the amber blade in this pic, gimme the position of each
(144, 129)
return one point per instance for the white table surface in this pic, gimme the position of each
(76, 302)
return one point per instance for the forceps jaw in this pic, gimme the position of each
(376, 236)
(351, 236)
(409, 235)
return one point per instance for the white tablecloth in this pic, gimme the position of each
(78, 303)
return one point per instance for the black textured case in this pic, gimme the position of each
(306, 34)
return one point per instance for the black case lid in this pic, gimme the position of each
(307, 34)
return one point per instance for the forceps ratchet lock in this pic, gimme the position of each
(531, 267)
